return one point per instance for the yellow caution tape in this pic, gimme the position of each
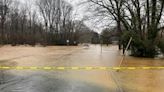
(79, 68)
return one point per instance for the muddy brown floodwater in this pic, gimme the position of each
(76, 80)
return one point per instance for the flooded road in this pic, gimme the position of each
(76, 80)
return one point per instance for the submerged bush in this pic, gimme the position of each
(143, 48)
(139, 47)
(161, 45)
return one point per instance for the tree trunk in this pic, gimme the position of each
(119, 34)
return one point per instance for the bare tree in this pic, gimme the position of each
(4, 10)
(49, 10)
(110, 8)
(66, 19)
(57, 16)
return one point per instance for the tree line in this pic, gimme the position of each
(139, 19)
(50, 22)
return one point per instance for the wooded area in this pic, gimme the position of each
(139, 19)
(50, 23)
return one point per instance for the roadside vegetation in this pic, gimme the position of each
(139, 19)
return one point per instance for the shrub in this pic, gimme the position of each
(139, 47)
(161, 45)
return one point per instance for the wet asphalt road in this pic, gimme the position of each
(45, 83)
(59, 81)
